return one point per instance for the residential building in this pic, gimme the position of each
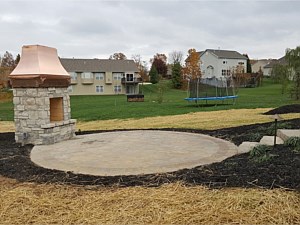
(267, 69)
(259, 64)
(102, 76)
(220, 63)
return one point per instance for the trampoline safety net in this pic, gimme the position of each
(211, 88)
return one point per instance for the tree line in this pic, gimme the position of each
(7, 65)
(287, 71)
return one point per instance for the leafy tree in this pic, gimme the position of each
(160, 63)
(8, 60)
(293, 59)
(280, 74)
(17, 60)
(176, 75)
(192, 65)
(153, 75)
(249, 69)
(118, 56)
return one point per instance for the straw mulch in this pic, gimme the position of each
(199, 120)
(23, 203)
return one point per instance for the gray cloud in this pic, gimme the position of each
(85, 29)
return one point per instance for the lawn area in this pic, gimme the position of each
(89, 108)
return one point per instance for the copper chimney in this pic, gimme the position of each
(39, 66)
(41, 99)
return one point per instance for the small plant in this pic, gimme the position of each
(293, 142)
(260, 153)
(255, 136)
(271, 129)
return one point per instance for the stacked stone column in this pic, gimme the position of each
(32, 116)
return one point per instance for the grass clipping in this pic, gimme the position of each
(168, 204)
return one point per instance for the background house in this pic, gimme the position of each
(220, 63)
(102, 76)
(267, 69)
(257, 64)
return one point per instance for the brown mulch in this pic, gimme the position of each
(283, 170)
(295, 108)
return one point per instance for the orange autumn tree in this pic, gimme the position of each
(192, 65)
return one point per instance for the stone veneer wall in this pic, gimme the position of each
(32, 116)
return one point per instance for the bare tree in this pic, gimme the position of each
(175, 57)
(142, 66)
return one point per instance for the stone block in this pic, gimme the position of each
(47, 126)
(30, 101)
(31, 92)
(246, 146)
(285, 134)
(51, 89)
(42, 115)
(33, 115)
(16, 100)
(40, 101)
(19, 107)
(269, 140)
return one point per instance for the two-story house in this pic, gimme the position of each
(220, 63)
(102, 76)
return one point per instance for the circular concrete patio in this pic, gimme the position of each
(132, 152)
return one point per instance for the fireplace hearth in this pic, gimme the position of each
(41, 100)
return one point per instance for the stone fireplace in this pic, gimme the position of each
(41, 99)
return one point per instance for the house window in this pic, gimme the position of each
(223, 72)
(99, 76)
(99, 89)
(241, 63)
(129, 77)
(224, 62)
(117, 89)
(117, 76)
(228, 72)
(73, 75)
(86, 75)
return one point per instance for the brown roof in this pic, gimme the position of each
(98, 65)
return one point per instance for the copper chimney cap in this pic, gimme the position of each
(39, 66)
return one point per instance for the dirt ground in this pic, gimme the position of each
(283, 170)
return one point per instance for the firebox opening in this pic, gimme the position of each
(56, 109)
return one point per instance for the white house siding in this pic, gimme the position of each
(209, 65)
(208, 59)
(259, 64)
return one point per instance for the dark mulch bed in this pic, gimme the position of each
(283, 170)
(295, 108)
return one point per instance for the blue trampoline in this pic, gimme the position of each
(212, 98)
(211, 89)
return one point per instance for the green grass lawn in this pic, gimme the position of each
(88, 108)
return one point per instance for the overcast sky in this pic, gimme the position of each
(97, 29)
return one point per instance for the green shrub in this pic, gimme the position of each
(293, 142)
(271, 129)
(255, 136)
(260, 153)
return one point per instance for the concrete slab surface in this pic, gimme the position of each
(269, 140)
(284, 134)
(132, 152)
